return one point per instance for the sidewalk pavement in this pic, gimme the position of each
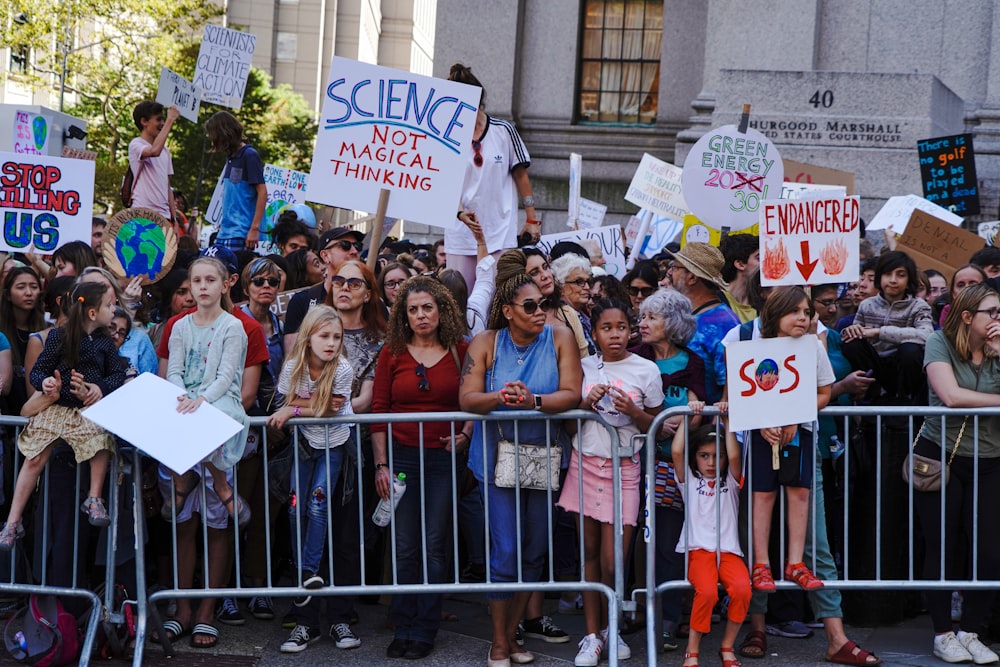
(466, 641)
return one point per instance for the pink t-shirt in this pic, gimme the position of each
(154, 179)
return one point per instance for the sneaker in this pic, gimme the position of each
(229, 613)
(572, 607)
(948, 648)
(310, 581)
(519, 634)
(261, 608)
(790, 629)
(543, 628)
(624, 652)
(344, 636)
(956, 606)
(301, 637)
(589, 655)
(669, 641)
(981, 655)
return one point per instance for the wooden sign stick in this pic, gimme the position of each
(376, 236)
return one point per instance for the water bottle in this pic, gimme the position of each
(836, 447)
(385, 508)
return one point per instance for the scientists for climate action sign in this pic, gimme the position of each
(45, 201)
(384, 128)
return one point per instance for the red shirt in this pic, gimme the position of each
(397, 389)
(256, 343)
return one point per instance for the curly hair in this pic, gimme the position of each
(504, 296)
(451, 325)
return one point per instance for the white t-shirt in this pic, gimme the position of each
(489, 190)
(154, 179)
(699, 514)
(639, 378)
(321, 437)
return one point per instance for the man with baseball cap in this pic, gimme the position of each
(696, 272)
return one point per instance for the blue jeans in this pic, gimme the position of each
(536, 516)
(316, 475)
(425, 509)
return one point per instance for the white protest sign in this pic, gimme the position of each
(809, 241)
(45, 201)
(656, 186)
(988, 230)
(224, 65)
(407, 133)
(575, 176)
(772, 382)
(176, 91)
(728, 173)
(662, 230)
(791, 190)
(591, 214)
(179, 441)
(896, 212)
(609, 238)
(31, 133)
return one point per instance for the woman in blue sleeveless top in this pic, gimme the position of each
(519, 363)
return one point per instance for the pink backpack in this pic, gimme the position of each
(43, 633)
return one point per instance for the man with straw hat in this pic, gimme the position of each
(696, 272)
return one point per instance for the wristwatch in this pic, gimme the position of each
(538, 402)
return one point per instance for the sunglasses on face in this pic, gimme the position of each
(345, 245)
(477, 159)
(259, 282)
(530, 306)
(353, 284)
(422, 384)
(641, 291)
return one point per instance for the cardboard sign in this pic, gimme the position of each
(935, 244)
(178, 441)
(896, 212)
(948, 171)
(656, 186)
(223, 65)
(591, 214)
(176, 91)
(727, 175)
(139, 242)
(695, 231)
(809, 241)
(45, 201)
(575, 178)
(988, 231)
(407, 133)
(31, 133)
(79, 153)
(609, 237)
(771, 382)
(802, 172)
(285, 187)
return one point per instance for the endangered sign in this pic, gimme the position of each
(809, 241)
(948, 172)
(935, 244)
(45, 201)
(656, 186)
(407, 133)
(772, 382)
(139, 242)
(31, 133)
(176, 91)
(728, 173)
(224, 65)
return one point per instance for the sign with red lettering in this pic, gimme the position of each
(45, 201)
(384, 128)
(809, 241)
(771, 382)
(728, 174)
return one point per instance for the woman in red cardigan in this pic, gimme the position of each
(418, 371)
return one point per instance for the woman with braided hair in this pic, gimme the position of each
(518, 363)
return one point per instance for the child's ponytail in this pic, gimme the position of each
(83, 297)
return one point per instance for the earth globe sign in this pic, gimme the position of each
(141, 247)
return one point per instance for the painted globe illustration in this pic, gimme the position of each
(767, 374)
(141, 247)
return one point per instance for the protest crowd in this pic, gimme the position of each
(484, 321)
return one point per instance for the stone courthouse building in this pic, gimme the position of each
(847, 84)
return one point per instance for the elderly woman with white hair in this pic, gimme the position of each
(666, 325)
(572, 275)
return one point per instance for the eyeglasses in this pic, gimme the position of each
(422, 384)
(530, 306)
(992, 313)
(259, 282)
(477, 159)
(641, 291)
(345, 245)
(353, 284)
(579, 282)
(393, 284)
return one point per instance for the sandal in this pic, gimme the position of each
(204, 630)
(726, 662)
(11, 533)
(754, 645)
(241, 511)
(762, 579)
(688, 656)
(852, 654)
(803, 576)
(96, 511)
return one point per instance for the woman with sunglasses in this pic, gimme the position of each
(418, 371)
(495, 179)
(519, 363)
